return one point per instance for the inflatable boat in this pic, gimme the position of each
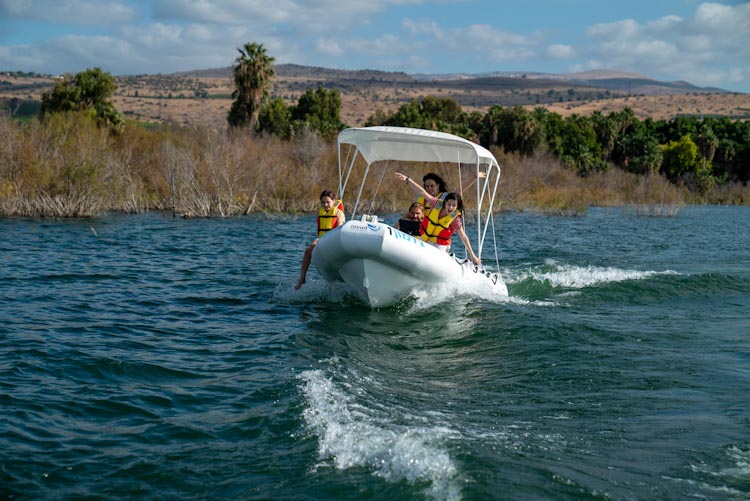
(385, 265)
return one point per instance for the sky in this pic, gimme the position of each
(704, 43)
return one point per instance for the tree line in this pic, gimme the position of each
(81, 157)
(700, 153)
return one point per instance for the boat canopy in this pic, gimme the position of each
(404, 144)
(414, 145)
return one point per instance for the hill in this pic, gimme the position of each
(203, 97)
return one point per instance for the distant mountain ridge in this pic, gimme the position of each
(299, 71)
(602, 79)
(613, 80)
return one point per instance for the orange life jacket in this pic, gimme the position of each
(435, 228)
(328, 220)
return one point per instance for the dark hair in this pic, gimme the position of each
(442, 187)
(328, 193)
(455, 196)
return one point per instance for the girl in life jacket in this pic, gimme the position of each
(435, 186)
(442, 220)
(330, 216)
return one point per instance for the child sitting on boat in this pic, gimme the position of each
(442, 219)
(330, 216)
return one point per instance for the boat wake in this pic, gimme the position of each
(352, 434)
(578, 277)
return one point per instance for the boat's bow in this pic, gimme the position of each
(384, 264)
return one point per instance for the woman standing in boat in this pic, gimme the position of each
(330, 216)
(434, 186)
(442, 220)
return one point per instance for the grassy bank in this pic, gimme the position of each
(66, 166)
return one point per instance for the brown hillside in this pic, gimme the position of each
(202, 98)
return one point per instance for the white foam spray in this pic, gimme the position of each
(351, 435)
(578, 277)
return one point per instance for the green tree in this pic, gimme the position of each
(552, 125)
(608, 129)
(580, 149)
(275, 118)
(380, 117)
(89, 91)
(253, 74)
(680, 157)
(707, 142)
(637, 150)
(319, 109)
(475, 122)
(491, 126)
(408, 115)
(519, 131)
(441, 113)
(434, 113)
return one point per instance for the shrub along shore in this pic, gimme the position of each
(68, 166)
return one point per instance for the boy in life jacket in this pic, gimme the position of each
(442, 220)
(330, 216)
(411, 224)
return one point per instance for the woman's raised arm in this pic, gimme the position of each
(415, 186)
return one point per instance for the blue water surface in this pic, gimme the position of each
(143, 356)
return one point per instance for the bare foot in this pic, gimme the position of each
(299, 284)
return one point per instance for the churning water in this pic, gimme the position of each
(143, 356)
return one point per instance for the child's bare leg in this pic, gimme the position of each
(305, 265)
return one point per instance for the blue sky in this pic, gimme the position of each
(704, 43)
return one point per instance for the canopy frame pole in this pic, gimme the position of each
(492, 201)
(361, 187)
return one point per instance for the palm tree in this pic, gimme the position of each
(253, 73)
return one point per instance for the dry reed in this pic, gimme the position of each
(66, 166)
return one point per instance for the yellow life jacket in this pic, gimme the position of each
(426, 206)
(435, 228)
(328, 220)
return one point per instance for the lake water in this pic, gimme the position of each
(150, 357)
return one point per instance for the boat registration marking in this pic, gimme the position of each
(400, 235)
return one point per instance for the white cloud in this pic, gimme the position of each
(619, 30)
(26, 57)
(702, 47)
(69, 54)
(384, 45)
(307, 16)
(480, 40)
(328, 47)
(666, 23)
(418, 63)
(80, 12)
(221, 11)
(559, 51)
(736, 74)
(699, 49)
(718, 17)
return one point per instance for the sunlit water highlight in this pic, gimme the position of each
(142, 356)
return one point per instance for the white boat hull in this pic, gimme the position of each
(385, 265)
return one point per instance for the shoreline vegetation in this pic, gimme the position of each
(80, 157)
(69, 166)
